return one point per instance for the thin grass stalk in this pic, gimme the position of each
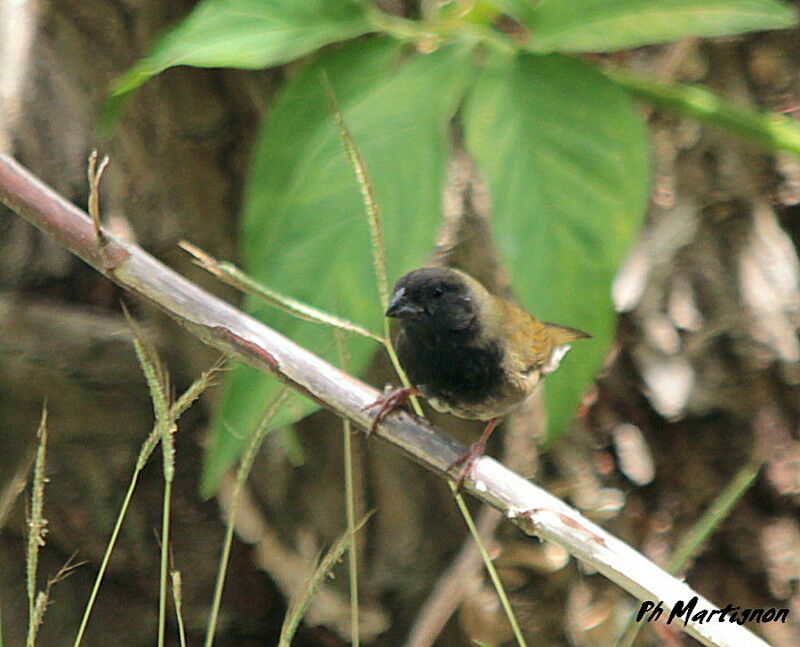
(375, 222)
(387, 344)
(158, 383)
(350, 506)
(245, 465)
(36, 529)
(237, 278)
(379, 260)
(168, 449)
(373, 210)
(716, 513)
(146, 450)
(701, 530)
(352, 554)
(177, 598)
(195, 390)
(38, 615)
(299, 606)
(113, 540)
(498, 585)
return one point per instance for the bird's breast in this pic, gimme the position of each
(466, 379)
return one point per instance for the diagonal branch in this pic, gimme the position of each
(234, 333)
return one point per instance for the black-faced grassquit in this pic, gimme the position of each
(468, 352)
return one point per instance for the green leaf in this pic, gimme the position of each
(602, 25)
(521, 10)
(769, 130)
(305, 233)
(249, 34)
(565, 155)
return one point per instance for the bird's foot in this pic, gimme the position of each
(388, 402)
(476, 450)
(467, 461)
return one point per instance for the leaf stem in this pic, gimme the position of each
(769, 130)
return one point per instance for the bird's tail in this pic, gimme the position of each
(563, 334)
(560, 336)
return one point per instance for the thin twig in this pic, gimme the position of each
(95, 174)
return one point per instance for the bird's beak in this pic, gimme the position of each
(401, 308)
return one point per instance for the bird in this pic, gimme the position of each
(468, 352)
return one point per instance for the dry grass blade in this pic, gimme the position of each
(298, 607)
(14, 486)
(373, 210)
(235, 277)
(37, 529)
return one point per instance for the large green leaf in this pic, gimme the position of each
(249, 34)
(602, 25)
(305, 232)
(565, 154)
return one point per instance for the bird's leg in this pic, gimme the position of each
(388, 402)
(476, 449)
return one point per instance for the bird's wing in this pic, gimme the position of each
(533, 344)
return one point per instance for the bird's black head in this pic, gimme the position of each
(435, 298)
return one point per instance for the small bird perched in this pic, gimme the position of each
(468, 352)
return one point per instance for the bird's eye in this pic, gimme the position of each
(438, 292)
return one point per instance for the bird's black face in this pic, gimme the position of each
(433, 298)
